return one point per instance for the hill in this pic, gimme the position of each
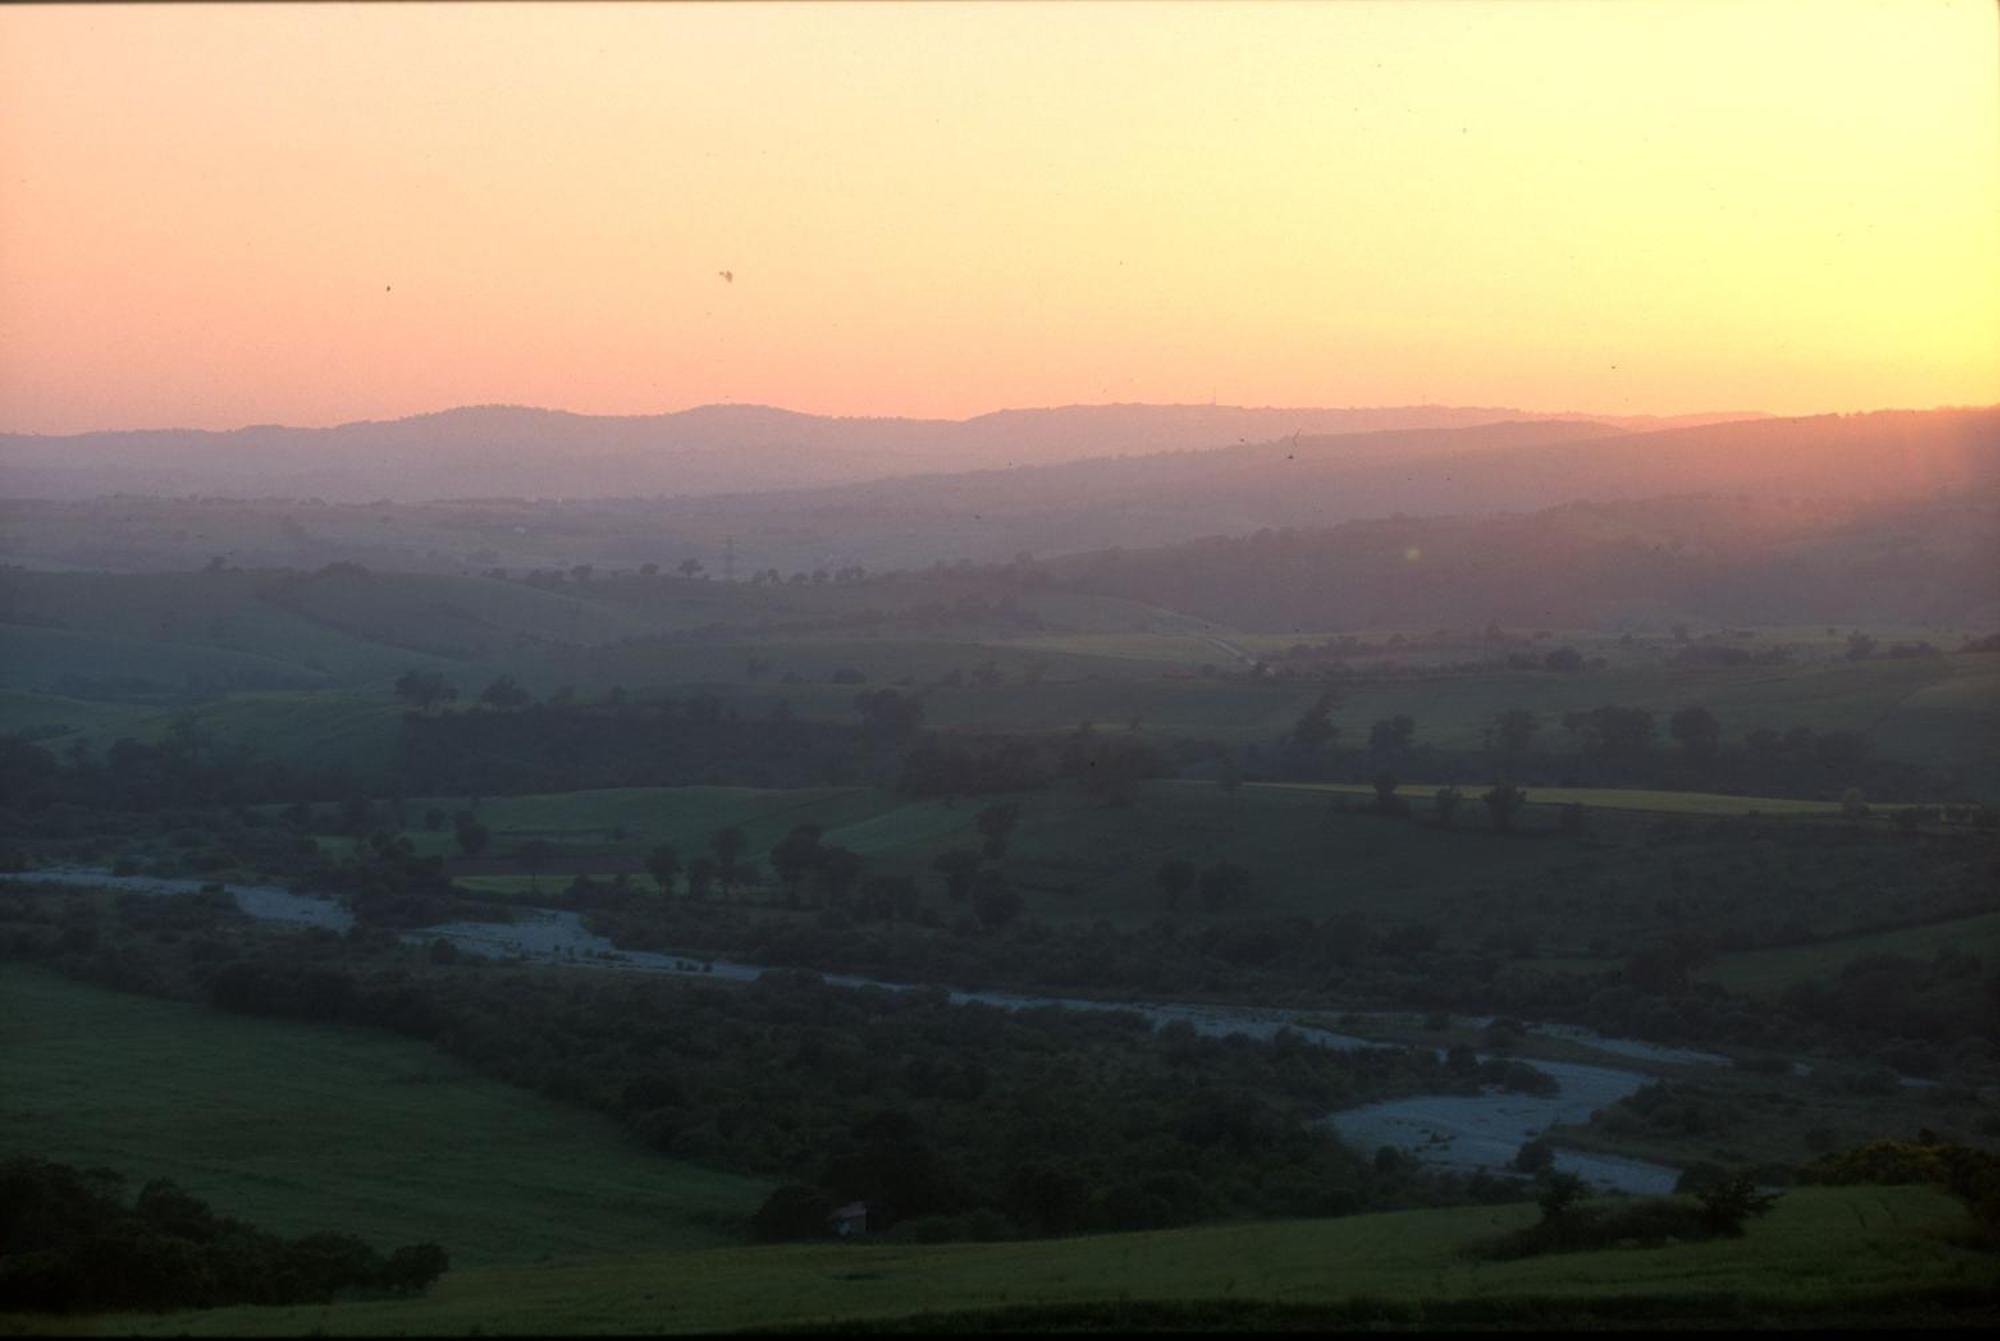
(1320, 480)
(309, 1128)
(1728, 559)
(519, 451)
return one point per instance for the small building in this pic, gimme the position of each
(850, 1220)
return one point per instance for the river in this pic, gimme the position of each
(1460, 1132)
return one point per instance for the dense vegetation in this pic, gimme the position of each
(70, 1240)
(978, 1121)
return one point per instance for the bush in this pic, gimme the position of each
(791, 1214)
(69, 1243)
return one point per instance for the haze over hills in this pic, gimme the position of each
(513, 451)
(1634, 564)
(1134, 501)
(1318, 481)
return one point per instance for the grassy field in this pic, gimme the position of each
(1768, 971)
(1078, 860)
(1602, 798)
(298, 1127)
(1821, 1248)
(1074, 858)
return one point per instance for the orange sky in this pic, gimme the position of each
(308, 214)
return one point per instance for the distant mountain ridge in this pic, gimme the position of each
(506, 450)
(1310, 481)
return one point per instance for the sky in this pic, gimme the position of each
(309, 214)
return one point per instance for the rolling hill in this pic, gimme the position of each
(500, 451)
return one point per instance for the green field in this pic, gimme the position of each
(1602, 798)
(1076, 859)
(1821, 1249)
(297, 1128)
(1766, 971)
(1073, 857)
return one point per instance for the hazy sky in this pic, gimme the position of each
(307, 214)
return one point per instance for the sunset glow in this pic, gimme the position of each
(309, 214)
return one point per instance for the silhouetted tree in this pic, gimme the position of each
(1503, 802)
(1224, 883)
(423, 689)
(534, 855)
(1315, 730)
(503, 693)
(472, 836)
(1698, 732)
(995, 902)
(996, 824)
(796, 856)
(890, 714)
(701, 877)
(663, 863)
(958, 867)
(1392, 735)
(729, 843)
(1514, 731)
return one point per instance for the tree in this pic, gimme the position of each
(958, 867)
(1447, 802)
(729, 843)
(1560, 1193)
(355, 814)
(1503, 802)
(1314, 730)
(1859, 646)
(1391, 735)
(534, 856)
(1729, 1202)
(472, 836)
(792, 1213)
(663, 863)
(888, 897)
(890, 714)
(1514, 731)
(422, 689)
(1228, 772)
(503, 693)
(1108, 767)
(1177, 877)
(995, 901)
(1386, 800)
(839, 868)
(996, 824)
(1563, 660)
(1535, 1156)
(689, 568)
(1224, 883)
(412, 1268)
(701, 877)
(795, 856)
(1697, 731)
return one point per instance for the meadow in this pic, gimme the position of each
(985, 653)
(1824, 1253)
(301, 1127)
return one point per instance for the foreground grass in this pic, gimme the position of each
(298, 1128)
(1823, 1248)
